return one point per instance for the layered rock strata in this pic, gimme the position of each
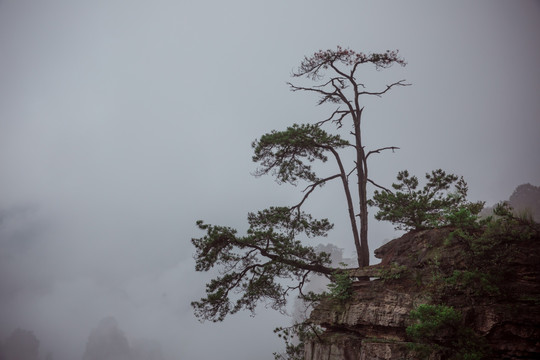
(371, 325)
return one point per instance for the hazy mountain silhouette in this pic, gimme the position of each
(525, 200)
(20, 345)
(107, 342)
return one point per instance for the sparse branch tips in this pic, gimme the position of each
(313, 66)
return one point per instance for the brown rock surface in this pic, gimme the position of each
(371, 325)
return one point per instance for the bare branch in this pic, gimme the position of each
(330, 118)
(378, 151)
(333, 97)
(339, 78)
(338, 120)
(379, 186)
(388, 87)
(311, 188)
(298, 287)
(350, 173)
(336, 69)
(298, 88)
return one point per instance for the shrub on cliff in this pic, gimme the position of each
(440, 329)
(432, 206)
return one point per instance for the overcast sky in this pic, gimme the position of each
(124, 122)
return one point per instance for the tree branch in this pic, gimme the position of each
(336, 69)
(388, 87)
(298, 88)
(350, 172)
(337, 121)
(338, 78)
(379, 186)
(378, 151)
(299, 287)
(311, 188)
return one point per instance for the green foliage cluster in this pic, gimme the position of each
(255, 267)
(432, 206)
(440, 329)
(295, 337)
(394, 272)
(473, 282)
(340, 288)
(284, 153)
(506, 226)
(489, 248)
(488, 252)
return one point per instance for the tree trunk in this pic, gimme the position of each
(350, 205)
(361, 170)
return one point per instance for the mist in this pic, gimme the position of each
(124, 122)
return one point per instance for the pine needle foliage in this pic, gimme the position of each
(434, 205)
(256, 267)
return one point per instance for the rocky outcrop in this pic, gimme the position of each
(372, 323)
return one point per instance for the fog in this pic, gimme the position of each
(124, 122)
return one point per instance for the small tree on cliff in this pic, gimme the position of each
(252, 265)
(432, 206)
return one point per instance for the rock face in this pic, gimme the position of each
(417, 269)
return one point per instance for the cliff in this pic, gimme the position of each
(489, 276)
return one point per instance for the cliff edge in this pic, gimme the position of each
(489, 276)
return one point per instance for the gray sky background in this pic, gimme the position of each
(123, 122)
